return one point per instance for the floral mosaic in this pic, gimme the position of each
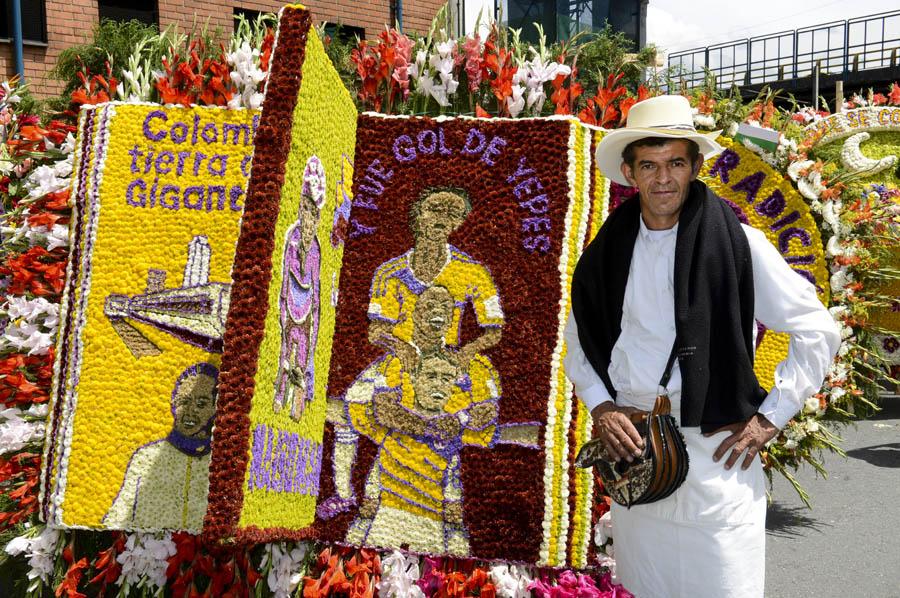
(448, 413)
(267, 455)
(158, 198)
(764, 199)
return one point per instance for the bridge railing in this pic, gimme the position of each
(838, 47)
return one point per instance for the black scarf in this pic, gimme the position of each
(713, 306)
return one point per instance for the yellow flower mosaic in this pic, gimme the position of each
(159, 193)
(771, 204)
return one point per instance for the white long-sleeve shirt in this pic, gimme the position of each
(784, 302)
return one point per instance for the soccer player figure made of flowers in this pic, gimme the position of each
(167, 480)
(420, 420)
(397, 285)
(299, 300)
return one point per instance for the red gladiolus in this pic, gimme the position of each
(894, 95)
(20, 473)
(625, 105)
(498, 66)
(69, 585)
(601, 110)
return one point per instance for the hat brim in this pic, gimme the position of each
(609, 150)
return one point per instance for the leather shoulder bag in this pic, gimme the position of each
(663, 464)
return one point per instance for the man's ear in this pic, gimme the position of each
(697, 165)
(628, 173)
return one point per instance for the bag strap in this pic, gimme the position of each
(664, 381)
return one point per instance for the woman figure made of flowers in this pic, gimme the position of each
(299, 301)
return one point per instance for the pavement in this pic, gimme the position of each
(848, 544)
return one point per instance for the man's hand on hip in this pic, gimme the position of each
(613, 425)
(750, 435)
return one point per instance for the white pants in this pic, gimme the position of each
(706, 540)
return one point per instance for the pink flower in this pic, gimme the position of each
(474, 61)
(402, 46)
(433, 577)
(22, 168)
(575, 585)
(5, 116)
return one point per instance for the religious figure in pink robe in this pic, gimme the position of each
(300, 297)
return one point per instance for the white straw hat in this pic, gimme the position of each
(660, 116)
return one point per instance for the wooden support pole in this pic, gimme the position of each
(838, 96)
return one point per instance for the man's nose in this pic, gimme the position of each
(663, 174)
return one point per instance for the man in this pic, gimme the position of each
(398, 282)
(674, 267)
(167, 481)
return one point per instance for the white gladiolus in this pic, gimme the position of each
(399, 574)
(533, 74)
(40, 549)
(58, 236)
(144, 560)
(16, 431)
(31, 325)
(247, 76)
(285, 574)
(516, 102)
(433, 73)
(49, 178)
(512, 581)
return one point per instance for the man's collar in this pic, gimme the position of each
(654, 235)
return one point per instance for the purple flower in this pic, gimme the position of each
(890, 344)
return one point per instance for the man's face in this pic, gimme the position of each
(434, 382)
(440, 214)
(433, 312)
(663, 175)
(195, 404)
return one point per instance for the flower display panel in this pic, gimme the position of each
(451, 425)
(268, 439)
(764, 199)
(158, 195)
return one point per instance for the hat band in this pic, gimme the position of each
(679, 127)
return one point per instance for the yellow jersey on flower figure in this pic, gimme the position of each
(398, 285)
(414, 492)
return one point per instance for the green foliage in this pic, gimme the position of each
(338, 48)
(113, 41)
(609, 51)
